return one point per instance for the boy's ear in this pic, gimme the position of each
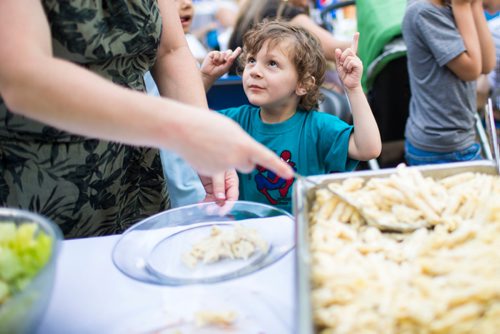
(300, 90)
(306, 85)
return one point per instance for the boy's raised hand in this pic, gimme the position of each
(217, 63)
(349, 66)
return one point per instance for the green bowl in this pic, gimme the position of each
(22, 311)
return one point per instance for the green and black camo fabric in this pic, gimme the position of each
(88, 187)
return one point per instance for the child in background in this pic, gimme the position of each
(284, 67)
(449, 46)
(186, 12)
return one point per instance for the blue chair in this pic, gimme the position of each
(226, 92)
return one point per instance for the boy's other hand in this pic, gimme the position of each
(217, 63)
(349, 66)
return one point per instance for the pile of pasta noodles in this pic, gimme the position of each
(440, 279)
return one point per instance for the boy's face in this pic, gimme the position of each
(270, 78)
(186, 12)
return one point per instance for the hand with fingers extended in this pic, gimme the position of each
(349, 66)
(221, 187)
(216, 64)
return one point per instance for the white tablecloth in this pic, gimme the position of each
(92, 296)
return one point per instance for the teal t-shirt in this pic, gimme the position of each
(311, 142)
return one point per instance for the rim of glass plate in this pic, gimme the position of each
(152, 278)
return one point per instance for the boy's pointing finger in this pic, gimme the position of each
(354, 45)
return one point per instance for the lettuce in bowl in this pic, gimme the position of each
(28, 250)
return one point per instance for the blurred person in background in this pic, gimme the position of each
(449, 46)
(214, 22)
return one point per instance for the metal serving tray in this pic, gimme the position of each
(303, 199)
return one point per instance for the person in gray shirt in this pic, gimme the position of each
(449, 46)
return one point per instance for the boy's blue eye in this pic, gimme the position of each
(273, 63)
(251, 60)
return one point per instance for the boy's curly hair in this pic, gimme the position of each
(304, 51)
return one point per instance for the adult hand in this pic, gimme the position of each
(221, 187)
(213, 143)
(349, 66)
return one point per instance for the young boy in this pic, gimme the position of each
(283, 69)
(449, 46)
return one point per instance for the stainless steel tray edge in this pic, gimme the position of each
(301, 204)
(439, 171)
(303, 317)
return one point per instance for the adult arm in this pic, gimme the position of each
(56, 92)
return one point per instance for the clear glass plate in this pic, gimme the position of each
(151, 251)
(253, 313)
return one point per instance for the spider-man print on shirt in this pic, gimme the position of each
(270, 184)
